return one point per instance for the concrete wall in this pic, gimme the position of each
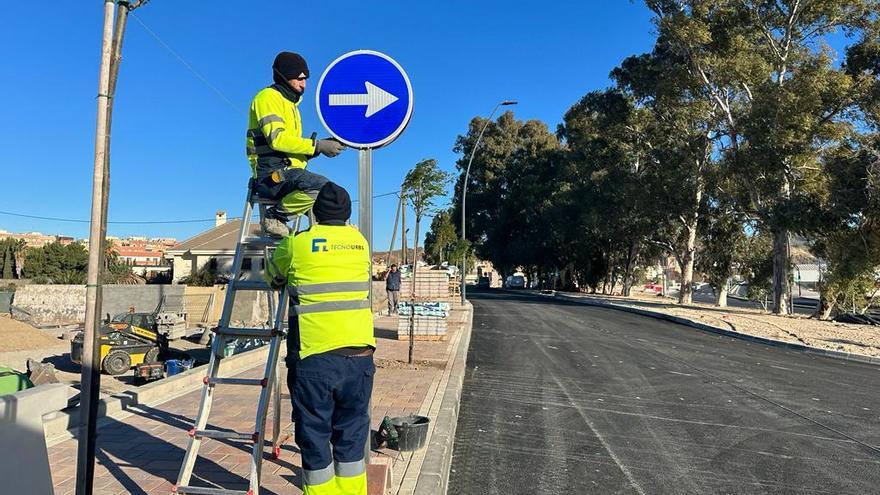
(25, 466)
(249, 307)
(66, 303)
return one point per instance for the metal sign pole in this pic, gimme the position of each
(365, 199)
(365, 225)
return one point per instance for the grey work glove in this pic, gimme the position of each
(328, 147)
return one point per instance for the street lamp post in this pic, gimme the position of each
(464, 194)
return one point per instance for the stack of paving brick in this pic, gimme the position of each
(431, 286)
(431, 306)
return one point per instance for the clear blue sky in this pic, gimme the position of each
(177, 148)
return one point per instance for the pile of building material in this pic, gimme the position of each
(171, 325)
(431, 306)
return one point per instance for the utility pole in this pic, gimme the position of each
(403, 253)
(90, 381)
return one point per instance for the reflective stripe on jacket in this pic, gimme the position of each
(274, 132)
(328, 270)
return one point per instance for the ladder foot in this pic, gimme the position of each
(276, 453)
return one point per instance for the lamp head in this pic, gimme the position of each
(508, 102)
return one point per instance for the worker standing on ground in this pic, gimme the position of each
(330, 344)
(276, 149)
(392, 289)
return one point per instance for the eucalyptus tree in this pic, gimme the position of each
(766, 66)
(849, 243)
(610, 202)
(685, 136)
(513, 183)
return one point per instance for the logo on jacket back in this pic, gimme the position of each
(319, 244)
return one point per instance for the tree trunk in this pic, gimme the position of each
(686, 294)
(781, 277)
(721, 297)
(632, 257)
(607, 281)
(19, 257)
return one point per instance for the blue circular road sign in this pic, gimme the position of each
(364, 99)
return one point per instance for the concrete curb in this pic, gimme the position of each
(64, 425)
(434, 474)
(720, 331)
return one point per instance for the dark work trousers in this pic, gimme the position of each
(331, 410)
(294, 180)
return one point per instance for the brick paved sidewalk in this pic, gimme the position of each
(142, 452)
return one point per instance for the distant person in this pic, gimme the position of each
(276, 149)
(392, 288)
(330, 344)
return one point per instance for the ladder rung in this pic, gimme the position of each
(256, 333)
(259, 242)
(262, 201)
(235, 381)
(224, 435)
(249, 285)
(204, 490)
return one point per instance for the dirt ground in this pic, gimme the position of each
(18, 336)
(396, 364)
(798, 329)
(20, 342)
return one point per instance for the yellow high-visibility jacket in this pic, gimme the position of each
(274, 135)
(328, 272)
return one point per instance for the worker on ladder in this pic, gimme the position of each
(276, 149)
(330, 344)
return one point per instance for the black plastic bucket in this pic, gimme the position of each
(412, 431)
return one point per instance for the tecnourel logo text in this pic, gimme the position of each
(319, 244)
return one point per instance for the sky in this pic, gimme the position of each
(179, 120)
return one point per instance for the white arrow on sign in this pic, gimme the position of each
(375, 99)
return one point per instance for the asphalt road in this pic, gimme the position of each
(561, 398)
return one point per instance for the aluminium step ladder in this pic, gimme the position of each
(248, 245)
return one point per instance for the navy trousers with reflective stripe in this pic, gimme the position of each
(332, 396)
(294, 179)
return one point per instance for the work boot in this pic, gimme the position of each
(274, 227)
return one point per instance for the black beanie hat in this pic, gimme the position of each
(332, 203)
(287, 66)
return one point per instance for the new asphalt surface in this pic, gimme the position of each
(561, 398)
